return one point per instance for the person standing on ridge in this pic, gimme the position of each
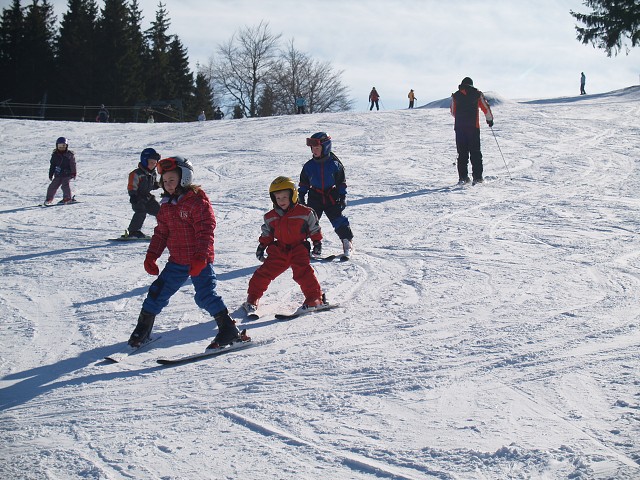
(103, 115)
(323, 178)
(583, 80)
(464, 108)
(412, 98)
(373, 98)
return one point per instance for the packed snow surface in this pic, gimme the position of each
(485, 332)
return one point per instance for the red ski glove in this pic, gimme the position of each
(197, 265)
(150, 265)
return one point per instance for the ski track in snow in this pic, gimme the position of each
(484, 332)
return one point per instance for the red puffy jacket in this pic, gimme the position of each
(290, 228)
(186, 228)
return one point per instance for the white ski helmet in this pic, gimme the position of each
(181, 164)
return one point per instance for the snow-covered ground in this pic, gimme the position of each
(487, 332)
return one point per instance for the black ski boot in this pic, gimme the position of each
(143, 329)
(227, 330)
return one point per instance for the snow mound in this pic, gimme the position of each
(492, 97)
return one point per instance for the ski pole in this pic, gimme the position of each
(505, 162)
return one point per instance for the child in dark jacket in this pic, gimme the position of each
(186, 225)
(284, 238)
(141, 182)
(323, 178)
(62, 169)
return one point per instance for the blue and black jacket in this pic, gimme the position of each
(323, 177)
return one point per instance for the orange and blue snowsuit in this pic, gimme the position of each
(284, 234)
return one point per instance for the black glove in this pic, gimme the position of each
(490, 123)
(260, 253)
(317, 248)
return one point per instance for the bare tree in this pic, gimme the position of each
(246, 62)
(326, 91)
(298, 75)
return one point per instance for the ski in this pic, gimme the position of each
(291, 316)
(129, 350)
(211, 352)
(331, 258)
(59, 204)
(130, 239)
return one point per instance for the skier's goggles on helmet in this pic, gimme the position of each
(316, 142)
(166, 165)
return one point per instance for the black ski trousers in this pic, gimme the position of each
(468, 145)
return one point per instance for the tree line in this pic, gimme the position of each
(103, 56)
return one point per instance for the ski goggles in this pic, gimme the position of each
(166, 165)
(316, 142)
(60, 145)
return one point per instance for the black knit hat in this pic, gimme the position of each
(466, 81)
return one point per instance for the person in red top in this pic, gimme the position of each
(284, 238)
(464, 107)
(186, 223)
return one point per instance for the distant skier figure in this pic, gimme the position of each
(202, 117)
(464, 107)
(301, 105)
(186, 225)
(103, 115)
(412, 98)
(583, 81)
(373, 98)
(323, 178)
(141, 182)
(284, 238)
(218, 114)
(62, 169)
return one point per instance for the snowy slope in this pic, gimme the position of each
(487, 332)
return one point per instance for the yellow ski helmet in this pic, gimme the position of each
(283, 183)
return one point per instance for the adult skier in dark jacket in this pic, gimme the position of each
(464, 107)
(323, 178)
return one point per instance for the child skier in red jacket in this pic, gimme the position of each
(284, 238)
(186, 223)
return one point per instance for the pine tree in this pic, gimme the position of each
(610, 22)
(266, 103)
(36, 68)
(11, 51)
(137, 56)
(181, 77)
(116, 55)
(203, 98)
(158, 78)
(75, 69)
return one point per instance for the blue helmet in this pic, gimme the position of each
(320, 138)
(148, 154)
(62, 140)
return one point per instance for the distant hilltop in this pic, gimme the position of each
(496, 99)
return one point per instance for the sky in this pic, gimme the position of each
(518, 49)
